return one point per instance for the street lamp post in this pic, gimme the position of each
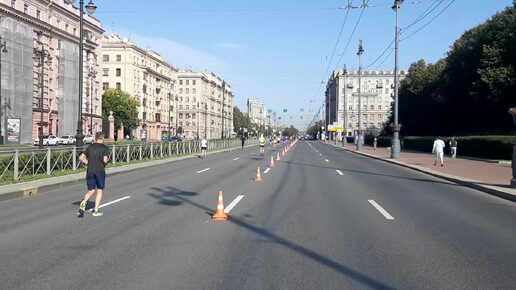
(359, 53)
(223, 92)
(40, 56)
(92, 74)
(3, 139)
(395, 148)
(90, 9)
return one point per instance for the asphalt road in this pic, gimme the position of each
(322, 219)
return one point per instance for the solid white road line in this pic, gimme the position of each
(111, 202)
(381, 210)
(340, 172)
(266, 170)
(201, 171)
(326, 160)
(236, 159)
(233, 203)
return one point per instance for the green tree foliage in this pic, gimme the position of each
(240, 120)
(470, 90)
(124, 108)
(312, 130)
(290, 131)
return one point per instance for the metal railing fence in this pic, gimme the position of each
(19, 165)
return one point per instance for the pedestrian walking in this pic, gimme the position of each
(438, 151)
(204, 147)
(242, 138)
(375, 142)
(95, 157)
(512, 111)
(453, 146)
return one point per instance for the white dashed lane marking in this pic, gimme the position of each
(201, 171)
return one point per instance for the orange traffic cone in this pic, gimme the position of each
(258, 175)
(278, 158)
(220, 215)
(272, 163)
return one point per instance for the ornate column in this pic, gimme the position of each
(111, 126)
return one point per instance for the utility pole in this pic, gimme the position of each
(3, 133)
(360, 135)
(396, 127)
(223, 92)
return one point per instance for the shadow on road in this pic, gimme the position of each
(165, 193)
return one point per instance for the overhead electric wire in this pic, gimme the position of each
(424, 14)
(382, 54)
(431, 20)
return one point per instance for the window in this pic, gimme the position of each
(379, 107)
(118, 86)
(118, 58)
(105, 72)
(194, 98)
(194, 91)
(372, 107)
(180, 107)
(187, 99)
(181, 82)
(105, 57)
(13, 3)
(193, 117)
(379, 117)
(181, 90)
(187, 90)
(365, 107)
(38, 14)
(105, 86)
(187, 107)
(187, 82)
(180, 115)
(145, 115)
(118, 72)
(350, 107)
(66, 27)
(193, 82)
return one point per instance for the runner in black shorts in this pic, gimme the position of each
(96, 156)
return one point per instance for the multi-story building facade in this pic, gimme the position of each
(30, 27)
(204, 106)
(257, 112)
(146, 76)
(342, 99)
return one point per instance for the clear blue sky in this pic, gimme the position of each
(279, 51)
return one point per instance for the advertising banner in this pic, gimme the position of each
(13, 130)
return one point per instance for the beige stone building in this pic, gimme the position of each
(342, 99)
(204, 103)
(27, 27)
(146, 76)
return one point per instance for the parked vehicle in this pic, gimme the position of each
(48, 140)
(176, 139)
(66, 140)
(88, 139)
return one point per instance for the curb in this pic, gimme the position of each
(475, 184)
(32, 188)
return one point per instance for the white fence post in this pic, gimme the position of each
(16, 164)
(128, 156)
(49, 158)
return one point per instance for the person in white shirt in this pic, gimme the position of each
(438, 151)
(204, 147)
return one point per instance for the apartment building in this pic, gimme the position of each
(204, 106)
(146, 76)
(257, 112)
(28, 28)
(342, 99)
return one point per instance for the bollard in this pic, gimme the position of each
(49, 158)
(128, 156)
(140, 152)
(114, 154)
(74, 162)
(16, 164)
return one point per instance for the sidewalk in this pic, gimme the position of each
(492, 178)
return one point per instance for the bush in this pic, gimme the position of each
(489, 147)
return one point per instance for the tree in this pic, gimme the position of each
(315, 128)
(470, 90)
(240, 120)
(290, 131)
(123, 106)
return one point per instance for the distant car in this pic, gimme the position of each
(88, 139)
(176, 139)
(66, 140)
(48, 140)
